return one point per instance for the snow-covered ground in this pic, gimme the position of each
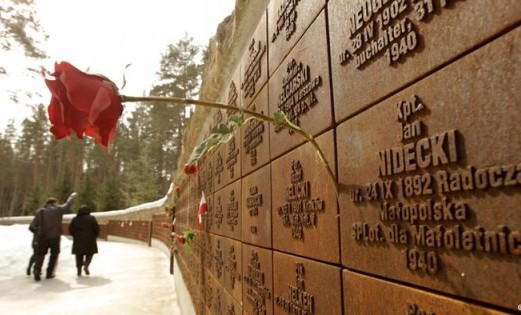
(125, 279)
(15, 249)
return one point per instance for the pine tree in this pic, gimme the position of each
(19, 25)
(7, 168)
(179, 76)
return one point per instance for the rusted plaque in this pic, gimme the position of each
(218, 213)
(366, 295)
(431, 180)
(232, 162)
(219, 167)
(287, 21)
(256, 207)
(218, 117)
(196, 245)
(304, 204)
(208, 251)
(303, 286)
(300, 88)
(219, 258)
(232, 203)
(206, 217)
(210, 285)
(233, 268)
(380, 46)
(254, 64)
(192, 212)
(218, 300)
(205, 173)
(255, 137)
(233, 96)
(257, 280)
(231, 306)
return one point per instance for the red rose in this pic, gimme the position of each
(190, 169)
(83, 103)
(181, 239)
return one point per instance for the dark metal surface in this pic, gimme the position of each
(304, 206)
(440, 33)
(301, 89)
(256, 208)
(446, 216)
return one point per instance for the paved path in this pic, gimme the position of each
(125, 279)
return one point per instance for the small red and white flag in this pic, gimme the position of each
(203, 208)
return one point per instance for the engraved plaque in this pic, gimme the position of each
(191, 213)
(304, 204)
(208, 253)
(257, 284)
(219, 167)
(287, 21)
(219, 258)
(219, 299)
(196, 245)
(256, 205)
(255, 150)
(431, 180)
(208, 290)
(303, 286)
(205, 173)
(233, 158)
(232, 202)
(300, 88)
(366, 295)
(231, 306)
(254, 74)
(233, 94)
(233, 269)
(208, 217)
(218, 117)
(218, 213)
(380, 46)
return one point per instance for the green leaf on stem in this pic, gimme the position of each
(204, 147)
(189, 235)
(237, 119)
(280, 119)
(221, 129)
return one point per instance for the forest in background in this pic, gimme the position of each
(141, 160)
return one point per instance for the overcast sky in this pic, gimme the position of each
(105, 35)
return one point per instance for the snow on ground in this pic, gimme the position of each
(125, 279)
(15, 249)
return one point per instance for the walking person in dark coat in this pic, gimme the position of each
(34, 244)
(84, 230)
(48, 224)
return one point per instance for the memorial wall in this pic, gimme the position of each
(416, 105)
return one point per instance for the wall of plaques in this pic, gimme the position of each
(416, 105)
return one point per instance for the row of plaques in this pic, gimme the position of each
(244, 279)
(415, 108)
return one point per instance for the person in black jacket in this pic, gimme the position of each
(48, 223)
(84, 230)
(34, 244)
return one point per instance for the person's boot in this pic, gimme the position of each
(31, 263)
(79, 271)
(87, 272)
(37, 277)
